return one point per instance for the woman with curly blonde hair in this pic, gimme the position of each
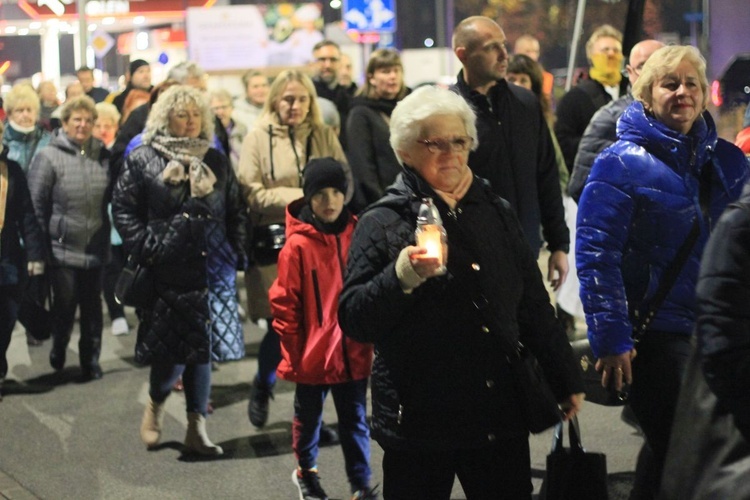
(178, 207)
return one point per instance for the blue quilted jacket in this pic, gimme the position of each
(635, 212)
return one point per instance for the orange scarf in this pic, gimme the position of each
(454, 196)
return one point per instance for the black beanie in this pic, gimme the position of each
(134, 65)
(322, 173)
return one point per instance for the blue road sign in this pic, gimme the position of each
(370, 15)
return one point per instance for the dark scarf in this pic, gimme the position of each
(380, 105)
(336, 227)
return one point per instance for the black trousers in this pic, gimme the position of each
(9, 301)
(71, 288)
(658, 370)
(502, 470)
(111, 272)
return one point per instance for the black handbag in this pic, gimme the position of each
(539, 405)
(574, 473)
(34, 311)
(136, 285)
(267, 241)
(592, 379)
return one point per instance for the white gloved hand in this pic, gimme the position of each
(35, 268)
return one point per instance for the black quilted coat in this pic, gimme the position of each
(163, 226)
(440, 378)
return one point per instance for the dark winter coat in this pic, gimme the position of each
(516, 155)
(374, 164)
(69, 187)
(20, 225)
(441, 379)
(600, 133)
(165, 228)
(574, 112)
(636, 211)
(304, 303)
(709, 455)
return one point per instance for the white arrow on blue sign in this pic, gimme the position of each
(370, 15)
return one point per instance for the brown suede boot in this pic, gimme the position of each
(153, 416)
(196, 439)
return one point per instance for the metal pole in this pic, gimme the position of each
(440, 23)
(83, 32)
(577, 31)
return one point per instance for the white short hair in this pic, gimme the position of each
(425, 102)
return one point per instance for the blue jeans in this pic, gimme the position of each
(196, 378)
(350, 399)
(269, 357)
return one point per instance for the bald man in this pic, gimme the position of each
(528, 45)
(601, 130)
(515, 151)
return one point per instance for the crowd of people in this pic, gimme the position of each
(310, 187)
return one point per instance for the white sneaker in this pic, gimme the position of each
(120, 327)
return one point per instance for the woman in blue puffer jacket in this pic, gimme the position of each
(644, 194)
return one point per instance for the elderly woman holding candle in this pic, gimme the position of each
(443, 398)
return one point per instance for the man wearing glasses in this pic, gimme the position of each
(326, 63)
(515, 152)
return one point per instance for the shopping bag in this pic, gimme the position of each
(34, 311)
(574, 473)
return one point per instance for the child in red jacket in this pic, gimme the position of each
(316, 354)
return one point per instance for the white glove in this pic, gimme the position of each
(35, 268)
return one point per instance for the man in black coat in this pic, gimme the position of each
(601, 131)
(575, 109)
(327, 60)
(515, 150)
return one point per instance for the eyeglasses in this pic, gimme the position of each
(455, 145)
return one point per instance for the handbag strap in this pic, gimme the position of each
(675, 267)
(574, 437)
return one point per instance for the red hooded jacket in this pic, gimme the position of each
(743, 140)
(304, 303)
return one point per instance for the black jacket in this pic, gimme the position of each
(340, 96)
(165, 228)
(574, 112)
(374, 164)
(517, 157)
(709, 451)
(600, 133)
(440, 377)
(20, 225)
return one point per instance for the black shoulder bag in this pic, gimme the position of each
(606, 396)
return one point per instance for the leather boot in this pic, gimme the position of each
(196, 440)
(153, 416)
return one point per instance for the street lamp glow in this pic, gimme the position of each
(35, 25)
(141, 40)
(429, 42)
(108, 20)
(138, 20)
(10, 29)
(23, 31)
(335, 4)
(92, 27)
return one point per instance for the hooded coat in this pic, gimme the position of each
(304, 303)
(636, 210)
